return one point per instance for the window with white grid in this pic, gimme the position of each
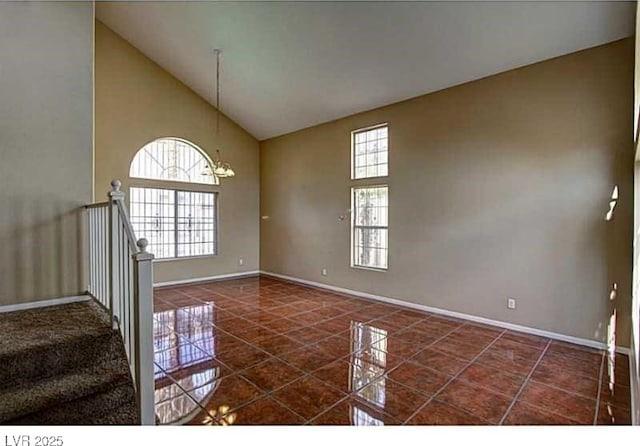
(172, 159)
(370, 227)
(176, 223)
(370, 152)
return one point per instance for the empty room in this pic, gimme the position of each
(318, 213)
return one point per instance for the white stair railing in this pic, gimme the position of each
(98, 221)
(121, 279)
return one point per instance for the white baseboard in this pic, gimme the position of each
(520, 328)
(208, 279)
(43, 303)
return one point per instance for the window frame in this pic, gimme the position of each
(353, 150)
(353, 227)
(175, 190)
(198, 149)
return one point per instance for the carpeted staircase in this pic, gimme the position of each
(64, 364)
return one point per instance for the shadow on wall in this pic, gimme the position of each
(41, 256)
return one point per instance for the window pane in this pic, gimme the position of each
(370, 206)
(152, 217)
(370, 247)
(370, 153)
(192, 232)
(196, 224)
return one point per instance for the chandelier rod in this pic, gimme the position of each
(217, 51)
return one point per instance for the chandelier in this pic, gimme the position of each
(219, 168)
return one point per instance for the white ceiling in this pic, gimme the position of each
(290, 65)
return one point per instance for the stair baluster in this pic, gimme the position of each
(121, 279)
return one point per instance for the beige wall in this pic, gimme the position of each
(498, 188)
(137, 102)
(46, 147)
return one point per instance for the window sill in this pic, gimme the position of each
(370, 268)
(370, 178)
(173, 259)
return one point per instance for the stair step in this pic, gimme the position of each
(53, 392)
(53, 324)
(99, 408)
(64, 364)
(45, 342)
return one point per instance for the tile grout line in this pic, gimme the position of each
(471, 362)
(386, 372)
(234, 373)
(396, 310)
(564, 390)
(269, 394)
(246, 316)
(432, 343)
(306, 287)
(263, 393)
(524, 384)
(238, 373)
(311, 375)
(184, 392)
(602, 362)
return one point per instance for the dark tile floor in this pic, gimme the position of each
(264, 351)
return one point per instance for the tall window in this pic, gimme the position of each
(176, 222)
(370, 227)
(370, 202)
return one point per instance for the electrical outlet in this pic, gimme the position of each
(324, 271)
(511, 304)
(240, 261)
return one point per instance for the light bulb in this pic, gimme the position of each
(207, 171)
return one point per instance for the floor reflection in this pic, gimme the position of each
(184, 345)
(367, 367)
(360, 417)
(262, 351)
(175, 404)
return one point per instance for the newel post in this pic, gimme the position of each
(115, 195)
(144, 333)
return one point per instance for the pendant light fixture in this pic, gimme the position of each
(220, 168)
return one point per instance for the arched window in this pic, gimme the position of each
(177, 221)
(172, 159)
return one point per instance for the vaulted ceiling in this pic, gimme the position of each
(291, 65)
